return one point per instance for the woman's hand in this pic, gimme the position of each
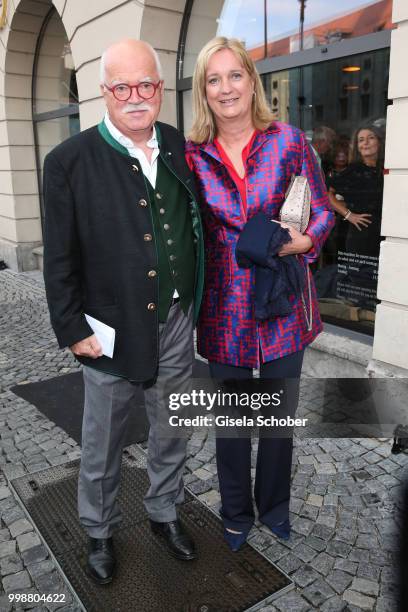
(357, 219)
(300, 243)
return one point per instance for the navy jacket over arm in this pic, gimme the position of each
(277, 279)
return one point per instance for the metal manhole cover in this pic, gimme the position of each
(148, 579)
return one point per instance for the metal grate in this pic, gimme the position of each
(148, 579)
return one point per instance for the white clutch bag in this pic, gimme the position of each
(295, 210)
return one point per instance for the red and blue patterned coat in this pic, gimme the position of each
(227, 330)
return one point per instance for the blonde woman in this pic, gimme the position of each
(243, 162)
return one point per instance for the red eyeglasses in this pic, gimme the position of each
(122, 91)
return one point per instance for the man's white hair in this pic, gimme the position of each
(102, 72)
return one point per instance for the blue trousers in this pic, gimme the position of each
(274, 459)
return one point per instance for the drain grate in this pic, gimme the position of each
(148, 579)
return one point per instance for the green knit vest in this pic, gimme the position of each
(174, 239)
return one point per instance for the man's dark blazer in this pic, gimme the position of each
(96, 255)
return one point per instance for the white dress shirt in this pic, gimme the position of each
(149, 168)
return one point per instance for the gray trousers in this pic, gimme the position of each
(108, 400)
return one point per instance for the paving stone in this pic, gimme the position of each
(211, 498)
(294, 540)
(19, 527)
(39, 569)
(369, 571)
(291, 602)
(12, 471)
(200, 486)
(202, 474)
(12, 515)
(29, 605)
(193, 464)
(34, 555)
(27, 541)
(295, 504)
(5, 604)
(368, 541)
(348, 536)
(261, 540)
(338, 549)
(367, 587)
(275, 552)
(339, 580)
(362, 602)
(303, 526)
(289, 563)
(315, 500)
(304, 552)
(4, 535)
(4, 492)
(36, 467)
(318, 592)
(7, 548)
(305, 575)
(316, 543)
(328, 521)
(10, 565)
(323, 532)
(323, 563)
(334, 604)
(345, 565)
(357, 554)
(306, 460)
(326, 468)
(15, 582)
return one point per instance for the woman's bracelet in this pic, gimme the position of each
(346, 216)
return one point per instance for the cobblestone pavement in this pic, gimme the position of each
(342, 551)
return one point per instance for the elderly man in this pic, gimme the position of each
(123, 244)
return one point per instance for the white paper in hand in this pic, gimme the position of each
(104, 333)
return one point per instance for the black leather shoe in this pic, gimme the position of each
(179, 543)
(101, 560)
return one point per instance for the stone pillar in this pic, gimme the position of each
(390, 351)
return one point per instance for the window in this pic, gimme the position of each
(55, 95)
(346, 274)
(343, 108)
(269, 30)
(365, 105)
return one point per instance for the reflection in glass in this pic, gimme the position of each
(325, 22)
(51, 133)
(331, 104)
(55, 84)
(232, 18)
(187, 111)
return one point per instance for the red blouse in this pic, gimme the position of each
(241, 183)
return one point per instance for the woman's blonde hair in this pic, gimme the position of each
(204, 128)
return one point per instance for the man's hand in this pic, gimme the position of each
(300, 243)
(89, 347)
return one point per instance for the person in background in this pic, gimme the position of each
(340, 159)
(356, 193)
(323, 142)
(243, 162)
